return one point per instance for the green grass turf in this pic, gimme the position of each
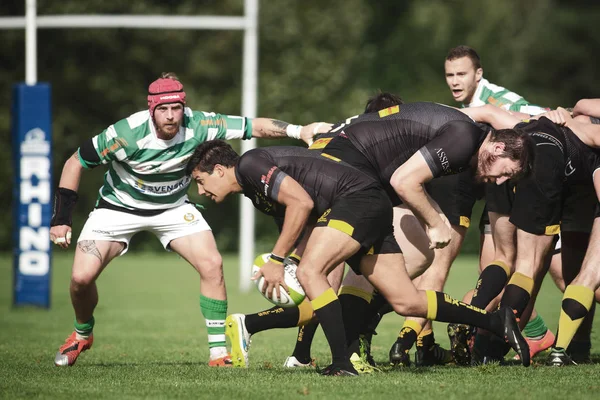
(151, 342)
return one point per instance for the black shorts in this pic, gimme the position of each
(499, 198)
(367, 216)
(579, 209)
(455, 194)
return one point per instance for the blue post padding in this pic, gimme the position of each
(32, 193)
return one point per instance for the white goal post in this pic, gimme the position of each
(248, 23)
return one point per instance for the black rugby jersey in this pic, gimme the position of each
(580, 160)
(447, 138)
(260, 173)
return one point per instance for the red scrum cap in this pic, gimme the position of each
(164, 91)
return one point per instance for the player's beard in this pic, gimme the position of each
(484, 164)
(167, 131)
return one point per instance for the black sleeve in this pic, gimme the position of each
(453, 147)
(88, 154)
(259, 171)
(537, 207)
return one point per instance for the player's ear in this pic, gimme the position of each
(478, 74)
(498, 148)
(219, 170)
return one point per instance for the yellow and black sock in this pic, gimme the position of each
(517, 293)
(425, 339)
(576, 303)
(306, 333)
(276, 317)
(355, 303)
(490, 283)
(408, 334)
(329, 312)
(441, 307)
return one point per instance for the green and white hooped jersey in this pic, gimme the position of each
(148, 173)
(488, 93)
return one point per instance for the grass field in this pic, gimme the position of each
(150, 342)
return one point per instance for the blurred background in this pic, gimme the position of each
(318, 61)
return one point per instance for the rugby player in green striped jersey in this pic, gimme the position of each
(145, 189)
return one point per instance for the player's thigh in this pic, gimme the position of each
(91, 257)
(413, 241)
(105, 235)
(200, 250)
(326, 248)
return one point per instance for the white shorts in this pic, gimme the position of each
(117, 226)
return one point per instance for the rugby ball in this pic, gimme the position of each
(296, 294)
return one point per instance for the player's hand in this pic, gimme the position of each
(439, 236)
(309, 131)
(274, 279)
(60, 235)
(560, 116)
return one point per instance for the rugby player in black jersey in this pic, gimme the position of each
(578, 298)
(559, 196)
(353, 223)
(455, 196)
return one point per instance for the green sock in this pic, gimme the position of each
(535, 328)
(214, 312)
(84, 330)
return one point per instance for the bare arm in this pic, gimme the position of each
(589, 107)
(587, 132)
(71, 173)
(408, 182)
(497, 117)
(298, 206)
(273, 128)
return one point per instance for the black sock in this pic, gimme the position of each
(378, 307)
(353, 310)
(276, 317)
(490, 283)
(441, 307)
(329, 311)
(304, 340)
(517, 293)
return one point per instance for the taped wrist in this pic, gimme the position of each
(293, 131)
(64, 203)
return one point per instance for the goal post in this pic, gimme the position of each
(25, 95)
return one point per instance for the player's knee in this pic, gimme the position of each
(81, 279)
(211, 268)
(307, 274)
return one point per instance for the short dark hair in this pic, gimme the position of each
(211, 153)
(518, 146)
(464, 51)
(382, 100)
